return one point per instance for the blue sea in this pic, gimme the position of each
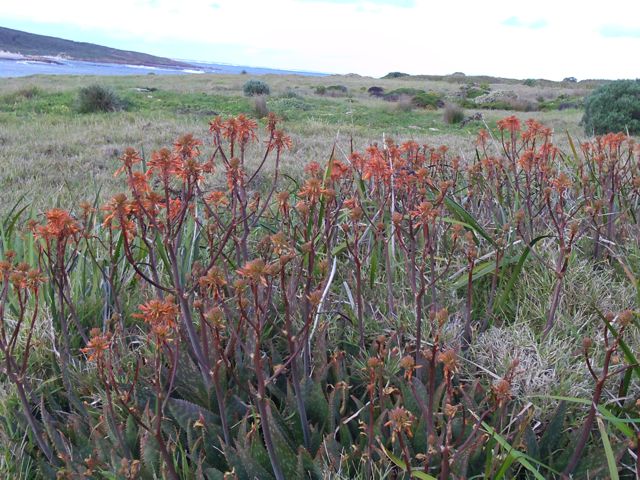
(23, 68)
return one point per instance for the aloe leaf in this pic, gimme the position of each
(522, 458)
(401, 464)
(513, 279)
(608, 451)
(461, 214)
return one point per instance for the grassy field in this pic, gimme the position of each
(42, 135)
(408, 312)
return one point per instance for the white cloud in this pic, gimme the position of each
(365, 36)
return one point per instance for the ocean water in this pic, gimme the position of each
(23, 68)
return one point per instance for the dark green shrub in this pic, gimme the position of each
(288, 93)
(376, 91)
(452, 114)
(394, 95)
(614, 107)
(562, 102)
(255, 87)
(529, 82)
(396, 75)
(96, 98)
(321, 90)
(428, 100)
(336, 90)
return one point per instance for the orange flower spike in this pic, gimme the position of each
(283, 202)
(190, 170)
(312, 169)
(159, 312)
(482, 138)
(139, 183)
(59, 225)
(217, 198)
(561, 183)
(187, 146)
(129, 158)
(338, 170)
(512, 124)
(118, 208)
(254, 271)
(164, 164)
(312, 190)
(281, 141)
(97, 345)
(216, 125)
(175, 206)
(246, 129)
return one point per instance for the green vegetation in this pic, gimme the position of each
(614, 107)
(96, 98)
(255, 87)
(428, 100)
(396, 75)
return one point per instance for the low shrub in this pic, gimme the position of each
(614, 107)
(452, 114)
(396, 75)
(256, 87)
(96, 98)
(394, 95)
(320, 90)
(429, 100)
(529, 82)
(376, 91)
(336, 91)
(289, 93)
(562, 102)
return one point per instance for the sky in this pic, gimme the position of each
(550, 39)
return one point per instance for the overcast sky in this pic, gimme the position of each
(511, 38)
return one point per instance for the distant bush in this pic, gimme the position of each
(28, 91)
(614, 107)
(394, 95)
(255, 87)
(452, 114)
(260, 106)
(336, 90)
(321, 90)
(570, 79)
(562, 102)
(288, 93)
(396, 75)
(287, 104)
(376, 91)
(96, 98)
(472, 91)
(428, 100)
(24, 93)
(529, 82)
